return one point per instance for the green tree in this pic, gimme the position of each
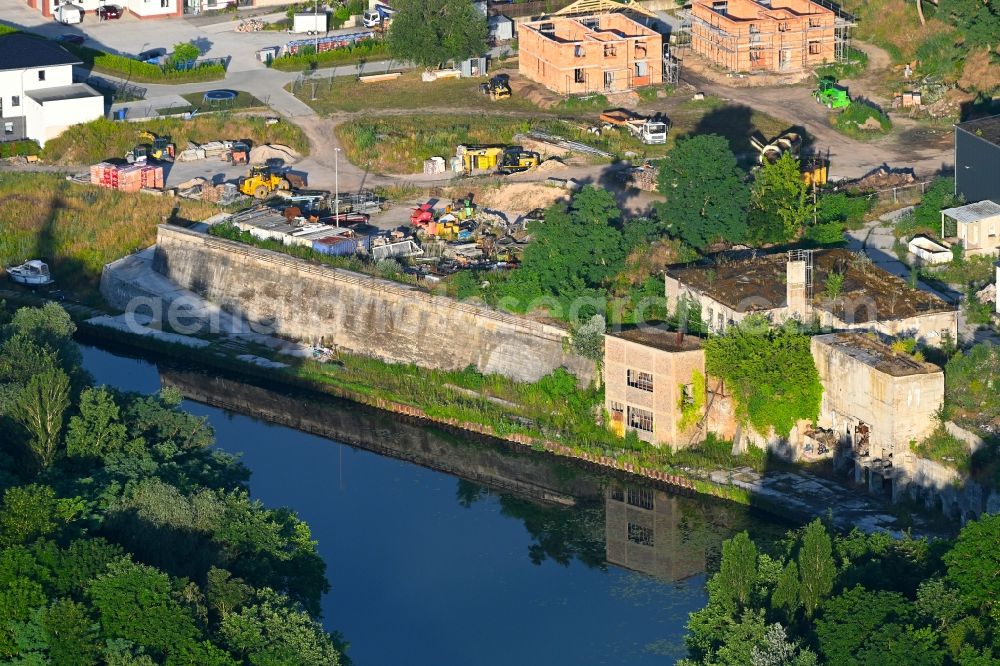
(770, 372)
(71, 633)
(134, 602)
(224, 593)
(738, 571)
(184, 52)
(272, 631)
(30, 512)
(706, 197)
(429, 33)
(98, 429)
(816, 567)
(974, 562)
(40, 409)
(779, 201)
(777, 650)
(52, 328)
(851, 620)
(786, 592)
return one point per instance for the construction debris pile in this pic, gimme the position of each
(643, 177)
(127, 178)
(882, 178)
(224, 194)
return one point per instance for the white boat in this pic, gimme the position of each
(34, 273)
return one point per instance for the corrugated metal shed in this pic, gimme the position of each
(973, 212)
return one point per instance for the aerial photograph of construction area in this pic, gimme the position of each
(493, 332)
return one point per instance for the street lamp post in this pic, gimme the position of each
(336, 186)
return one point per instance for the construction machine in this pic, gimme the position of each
(261, 182)
(648, 130)
(481, 158)
(151, 146)
(516, 159)
(240, 153)
(497, 87)
(832, 95)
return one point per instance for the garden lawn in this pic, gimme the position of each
(79, 228)
(345, 93)
(103, 139)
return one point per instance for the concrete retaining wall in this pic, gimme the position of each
(361, 314)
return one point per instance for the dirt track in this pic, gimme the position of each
(910, 144)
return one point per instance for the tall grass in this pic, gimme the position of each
(79, 228)
(102, 139)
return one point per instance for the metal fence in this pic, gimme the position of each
(119, 91)
(904, 194)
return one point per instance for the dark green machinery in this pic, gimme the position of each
(831, 95)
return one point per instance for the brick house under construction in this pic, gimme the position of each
(767, 35)
(597, 53)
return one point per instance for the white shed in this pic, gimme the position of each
(501, 28)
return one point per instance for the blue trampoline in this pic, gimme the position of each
(219, 97)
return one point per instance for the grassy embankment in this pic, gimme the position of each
(79, 228)
(102, 139)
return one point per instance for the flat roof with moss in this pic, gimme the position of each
(751, 282)
(876, 354)
(659, 338)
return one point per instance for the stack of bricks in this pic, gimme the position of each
(130, 178)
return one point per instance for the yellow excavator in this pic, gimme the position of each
(262, 181)
(516, 159)
(497, 87)
(151, 146)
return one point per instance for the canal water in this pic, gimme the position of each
(504, 558)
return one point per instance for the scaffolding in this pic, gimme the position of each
(805, 256)
(771, 48)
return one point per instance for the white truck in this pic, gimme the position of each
(69, 14)
(310, 24)
(378, 16)
(648, 130)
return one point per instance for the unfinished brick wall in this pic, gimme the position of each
(747, 36)
(606, 53)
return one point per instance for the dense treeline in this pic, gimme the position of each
(854, 600)
(125, 538)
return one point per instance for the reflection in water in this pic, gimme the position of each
(475, 554)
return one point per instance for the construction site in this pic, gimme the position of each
(775, 36)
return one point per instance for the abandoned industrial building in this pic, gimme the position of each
(607, 52)
(768, 35)
(975, 226)
(875, 402)
(795, 285)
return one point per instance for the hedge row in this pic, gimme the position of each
(23, 147)
(365, 49)
(143, 72)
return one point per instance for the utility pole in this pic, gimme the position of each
(336, 186)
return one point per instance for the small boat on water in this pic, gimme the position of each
(33, 273)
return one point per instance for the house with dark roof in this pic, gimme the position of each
(977, 159)
(38, 98)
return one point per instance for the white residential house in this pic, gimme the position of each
(38, 99)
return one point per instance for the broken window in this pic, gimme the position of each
(640, 380)
(687, 394)
(617, 412)
(641, 497)
(578, 76)
(640, 419)
(640, 535)
(862, 439)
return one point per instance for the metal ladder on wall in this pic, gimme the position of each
(807, 257)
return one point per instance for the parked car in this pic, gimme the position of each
(72, 39)
(108, 12)
(154, 56)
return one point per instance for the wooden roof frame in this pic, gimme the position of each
(603, 7)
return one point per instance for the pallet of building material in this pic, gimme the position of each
(376, 78)
(216, 148)
(434, 165)
(566, 144)
(191, 155)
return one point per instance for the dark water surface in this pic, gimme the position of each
(430, 568)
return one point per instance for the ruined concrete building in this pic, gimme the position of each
(768, 35)
(836, 289)
(584, 54)
(875, 402)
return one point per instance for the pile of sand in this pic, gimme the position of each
(520, 197)
(550, 164)
(260, 154)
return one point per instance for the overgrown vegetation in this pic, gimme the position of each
(770, 373)
(125, 538)
(853, 600)
(17, 148)
(79, 228)
(429, 33)
(926, 215)
(854, 65)
(102, 139)
(862, 120)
